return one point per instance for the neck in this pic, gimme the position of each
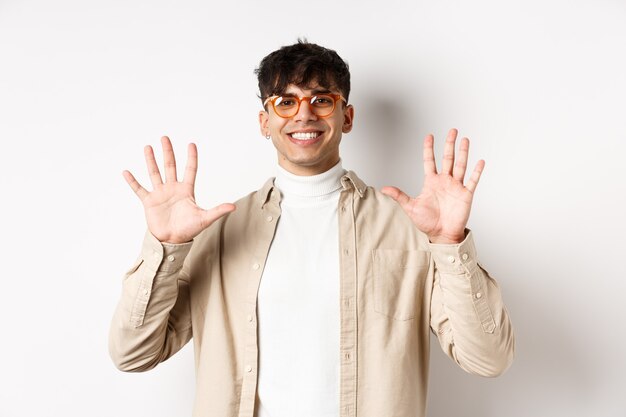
(306, 170)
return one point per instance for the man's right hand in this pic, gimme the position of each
(171, 210)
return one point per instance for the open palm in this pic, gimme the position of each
(171, 211)
(443, 207)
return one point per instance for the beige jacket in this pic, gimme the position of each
(395, 287)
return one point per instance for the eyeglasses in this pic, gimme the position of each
(322, 105)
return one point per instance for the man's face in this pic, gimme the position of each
(316, 152)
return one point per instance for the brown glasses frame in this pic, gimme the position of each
(336, 98)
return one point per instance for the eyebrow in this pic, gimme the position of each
(313, 92)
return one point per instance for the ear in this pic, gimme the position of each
(264, 119)
(348, 118)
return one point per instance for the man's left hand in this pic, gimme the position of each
(443, 207)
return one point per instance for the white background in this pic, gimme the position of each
(538, 86)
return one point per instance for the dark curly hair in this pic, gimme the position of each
(302, 64)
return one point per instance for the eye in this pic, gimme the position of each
(322, 101)
(285, 102)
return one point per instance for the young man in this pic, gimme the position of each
(315, 295)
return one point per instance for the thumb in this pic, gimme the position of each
(216, 212)
(397, 194)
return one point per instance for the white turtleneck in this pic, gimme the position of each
(298, 301)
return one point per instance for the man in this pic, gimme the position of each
(315, 295)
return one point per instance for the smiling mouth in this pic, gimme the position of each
(304, 135)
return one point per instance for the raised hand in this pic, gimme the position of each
(171, 210)
(443, 207)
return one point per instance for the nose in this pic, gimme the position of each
(305, 113)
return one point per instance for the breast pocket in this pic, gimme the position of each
(399, 277)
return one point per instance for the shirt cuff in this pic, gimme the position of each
(459, 258)
(167, 257)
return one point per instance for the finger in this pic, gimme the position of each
(448, 152)
(460, 164)
(430, 166)
(192, 164)
(153, 168)
(168, 160)
(397, 194)
(475, 177)
(134, 185)
(215, 213)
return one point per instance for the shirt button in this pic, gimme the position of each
(171, 258)
(256, 266)
(451, 259)
(269, 218)
(248, 368)
(145, 292)
(250, 318)
(465, 256)
(479, 295)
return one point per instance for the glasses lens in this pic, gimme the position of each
(286, 106)
(322, 105)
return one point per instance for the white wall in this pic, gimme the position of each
(539, 87)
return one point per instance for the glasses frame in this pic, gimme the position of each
(335, 97)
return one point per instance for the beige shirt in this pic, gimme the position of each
(395, 287)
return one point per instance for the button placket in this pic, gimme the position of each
(267, 220)
(481, 303)
(348, 288)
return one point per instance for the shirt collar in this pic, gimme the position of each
(351, 180)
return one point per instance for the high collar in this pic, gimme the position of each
(349, 181)
(312, 186)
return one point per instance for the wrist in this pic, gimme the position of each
(446, 239)
(172, 240)
(176, 241)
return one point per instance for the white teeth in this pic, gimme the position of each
(304, 136)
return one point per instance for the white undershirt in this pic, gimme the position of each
(298, 301)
